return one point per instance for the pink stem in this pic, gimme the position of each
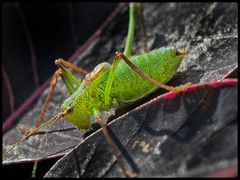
(9, 88)
(229, 73)
(29, 39)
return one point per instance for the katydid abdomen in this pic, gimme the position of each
(159, 64)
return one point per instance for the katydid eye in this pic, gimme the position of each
(69, 110)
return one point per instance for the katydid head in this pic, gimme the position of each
(77, 114)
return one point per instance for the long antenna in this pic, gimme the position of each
(55, 118)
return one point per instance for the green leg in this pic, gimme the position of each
(133, 7)
(132, 16)
(110, 142)
(69, 80)
(110, 80)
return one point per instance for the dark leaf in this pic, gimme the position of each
(209, 31)
(189, 134)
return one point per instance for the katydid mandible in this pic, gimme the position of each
(128, 79)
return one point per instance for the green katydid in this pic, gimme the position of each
(127, 80)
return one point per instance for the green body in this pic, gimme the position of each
(127, 86)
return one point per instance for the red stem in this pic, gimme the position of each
(9, 88)
(30, 44)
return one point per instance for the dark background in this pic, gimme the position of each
(54, 29)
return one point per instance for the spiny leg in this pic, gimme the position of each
(147, 78)
(50, 93)
(110, 142)
(53, 83)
